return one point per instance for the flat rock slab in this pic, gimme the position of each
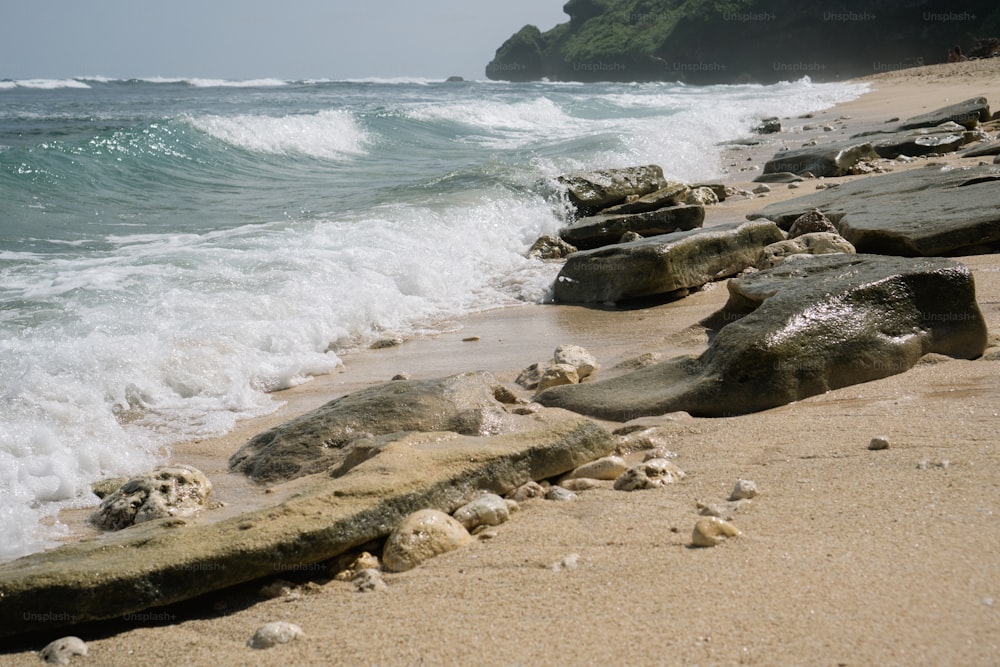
(988, 148)
(833, 159)
(347, 429)
(798, 330)
(159, 562)
(671, 195)
(916, 143)
(968, 114)
(591, 191)
(662, 264)
(596, 231)
(922, 212)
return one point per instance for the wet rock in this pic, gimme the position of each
(672, 194)
(770, 125)
(923, 212)
(744, 489)
(352, 428)
(606, 468)
(801, 329)
(384, 343)
(968, 114)
(272, 634)
(779, 177)
(701, 197)
(550, 247)
(916, 143)
(712, 531)
(605, 229)
(487, 510)
(105, 487)
(833, 159)
(594, 190)
(60, 651)
(173, 491)
(662, 264)
(420, 536)
(811, 222)
(817, 243)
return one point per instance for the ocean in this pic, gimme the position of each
(172, 251)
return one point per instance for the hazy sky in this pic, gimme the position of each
(242, 39)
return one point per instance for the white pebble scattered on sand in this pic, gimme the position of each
(608, 467)
(743, 490)
(710, 531)
(61, 650)
(272, 634)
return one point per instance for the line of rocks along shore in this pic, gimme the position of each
(848, 284)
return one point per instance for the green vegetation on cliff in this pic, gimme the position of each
(702, 41)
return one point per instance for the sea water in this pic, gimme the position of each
(174, 250)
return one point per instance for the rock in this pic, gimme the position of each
(145, 566)
(923, 212)
(720, 189)
(580, 484)
(659, 453)
(646, 438)
(559, 494)
(701, 197)
(982, 150)
(761, 189)
(662, 468)
(594, 190)
(279, 588)
(454, 79)
(347, 430)
(557, 374)
(368, 580)
(744, 489)
(527, 491)
(60, 651)
(779, 177)
(670, 195)
(532, 375)
(582, 361)
(811, 222)
(272, 634)
(711, 531)
(769, 125)
(384, 343)
(833, 159)
(487, 510)
(662, 264)
(968, 114)
(921, 142)
(607, 468)
(596, 231)
(105, 487)
(420, 536)
(550, 247)
(878, 442)
(636, 479)
(817, 243)
(724, 510)
(798, 330)
(174, 491)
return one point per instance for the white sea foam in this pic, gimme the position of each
(50, 83)
(328, 134)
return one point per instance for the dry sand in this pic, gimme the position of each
(848, 556)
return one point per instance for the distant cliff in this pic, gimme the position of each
(705, 41)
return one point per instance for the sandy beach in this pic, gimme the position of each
(848, 556)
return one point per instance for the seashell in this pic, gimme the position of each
(61, 650)
(743, 489)
(272, 634)
(422, 535)
(608, 467)
(710, 531)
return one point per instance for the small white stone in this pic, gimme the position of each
(584, 362)
(488, 509)
(743, 489)
(608, 467)
(61, 650)
(272, 634)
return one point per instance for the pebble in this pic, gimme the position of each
(580, 484)
(711, 530)
(725, 509)
(636, 479)
(384, 343)
(488, 509)
(608, 467)
(368, 580)
(527, 491)
(560, 493)
(664, 469)
(659, 453)
(422, 535)
(743, 490)
(470, 339)
(566, 563)
(401, 376)
(60, 651)
(365, 561)
(761, 189)
(272, 634)
(879, 442)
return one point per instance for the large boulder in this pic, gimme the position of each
(663, 264)
(591, 191)
(968, 114)
(151, 565)
(351, 428)
(801, 329)
(600, 230)
(833, 159)
(923, 212)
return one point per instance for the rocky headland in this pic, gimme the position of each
(761, 409)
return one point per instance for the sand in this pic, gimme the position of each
(848, 556)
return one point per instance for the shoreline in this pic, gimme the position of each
(871, 548)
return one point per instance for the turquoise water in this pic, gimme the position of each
(171, 251)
